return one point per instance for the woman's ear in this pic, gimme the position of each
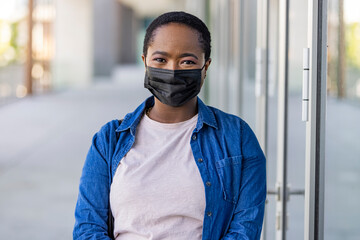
(143, 59)
(207, 64)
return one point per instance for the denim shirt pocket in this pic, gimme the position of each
(229, 171)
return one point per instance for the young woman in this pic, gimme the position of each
(174, 168)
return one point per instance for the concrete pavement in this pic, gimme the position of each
(44, 141)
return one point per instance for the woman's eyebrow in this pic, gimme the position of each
(188, 55)
(161, 53)
(180, 56)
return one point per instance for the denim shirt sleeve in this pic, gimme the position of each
(91, 213)
(249, 210)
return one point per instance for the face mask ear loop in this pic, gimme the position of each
(145, 63)
(203, 66)
(205, 70)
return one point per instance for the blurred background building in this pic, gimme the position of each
(88, 52)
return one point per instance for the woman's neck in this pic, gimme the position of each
(163, 113)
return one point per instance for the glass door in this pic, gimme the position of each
(290, 97)
(258, 73)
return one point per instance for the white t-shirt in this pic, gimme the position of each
(157, 191)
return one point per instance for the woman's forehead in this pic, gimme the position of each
(174, 37)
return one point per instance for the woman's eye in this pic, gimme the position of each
(159, 60)
(188, 62)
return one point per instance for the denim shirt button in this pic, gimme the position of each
(208, 184)
(194, 137)
(200, 160)
(209, 214)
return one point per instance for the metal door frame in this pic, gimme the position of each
(281, 174)
(261, 82)
(315, 126)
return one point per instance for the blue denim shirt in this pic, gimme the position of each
(227, 154)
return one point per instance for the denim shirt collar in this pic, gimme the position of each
(131, 120)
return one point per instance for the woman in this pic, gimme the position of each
(174, 168)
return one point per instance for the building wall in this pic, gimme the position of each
(115, 29)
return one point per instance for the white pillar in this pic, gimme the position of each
(72, 65)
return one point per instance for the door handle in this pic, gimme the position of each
(305, 90)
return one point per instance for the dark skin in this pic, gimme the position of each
(175, 46)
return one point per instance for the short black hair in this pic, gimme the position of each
(181, 18)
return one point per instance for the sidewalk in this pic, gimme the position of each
(44, 141)
(43, 144)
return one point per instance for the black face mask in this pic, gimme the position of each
(173, 87)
